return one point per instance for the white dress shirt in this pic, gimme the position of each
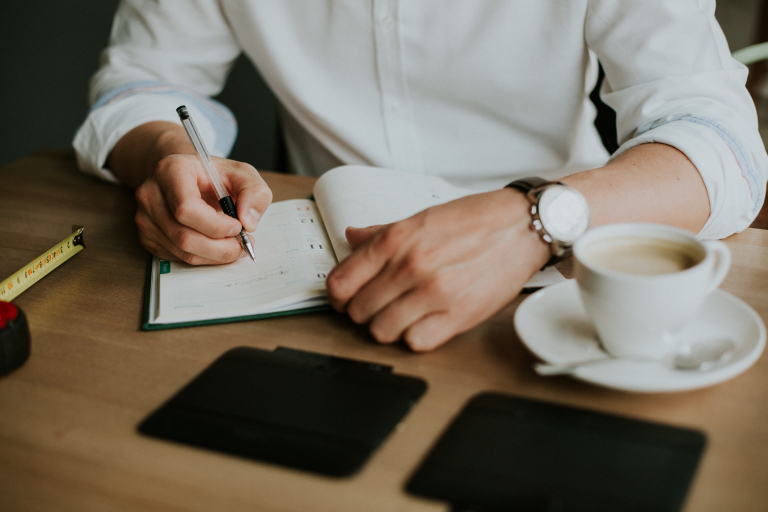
(477, 92)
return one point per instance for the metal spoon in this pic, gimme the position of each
(702, 357)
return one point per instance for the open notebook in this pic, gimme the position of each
(297, 243)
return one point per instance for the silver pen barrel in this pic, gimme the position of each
(225, 200)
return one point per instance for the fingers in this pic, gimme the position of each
(347, 278)
(427, 316)
(410, 265)
(179, 182)
(396, 294)
(178, 214)
(357, 236)
(155, 241)
(432, 331)
(391, 322)
(417, 270)
(164, 236)
(448, 295)
(250, 190)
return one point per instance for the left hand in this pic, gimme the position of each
(441, 272)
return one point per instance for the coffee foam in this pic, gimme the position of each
(642, 255)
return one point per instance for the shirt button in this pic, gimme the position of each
(387, 21)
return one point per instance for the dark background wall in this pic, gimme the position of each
(48, 51)
(50, 48)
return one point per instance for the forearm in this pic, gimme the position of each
(135, 156)
(649, 183)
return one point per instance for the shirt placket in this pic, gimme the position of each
(396, 109)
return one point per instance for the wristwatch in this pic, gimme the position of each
(559, 214)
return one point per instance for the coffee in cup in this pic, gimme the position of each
(641, 283)
(642, 255)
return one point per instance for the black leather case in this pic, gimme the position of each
(299, 409)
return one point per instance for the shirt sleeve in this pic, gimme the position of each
(161, 54)
(671, 79)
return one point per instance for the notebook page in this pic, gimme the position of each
(293, 258)
(361, 196)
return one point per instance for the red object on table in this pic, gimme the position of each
(7, 312)
(14, 338)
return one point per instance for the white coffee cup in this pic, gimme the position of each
(641, 283)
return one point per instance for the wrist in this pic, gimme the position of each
(170, 139)
(167, 139)
(135, 156)
(559, 214)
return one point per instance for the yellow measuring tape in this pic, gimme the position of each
(42, 265)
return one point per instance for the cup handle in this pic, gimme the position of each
(722, 263)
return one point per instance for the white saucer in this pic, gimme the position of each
(553, 324)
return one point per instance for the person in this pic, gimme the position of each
(478, 93)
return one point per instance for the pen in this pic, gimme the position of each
(225, 200)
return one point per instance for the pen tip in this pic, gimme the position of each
(247, 245)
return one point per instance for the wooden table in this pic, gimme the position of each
(68, 417)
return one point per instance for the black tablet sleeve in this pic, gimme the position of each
(508, 453)
(299, 409)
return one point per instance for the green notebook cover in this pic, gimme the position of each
(146, 325)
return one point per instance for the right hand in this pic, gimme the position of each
(179, 217)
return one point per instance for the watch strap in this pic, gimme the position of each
(525, 185)
(531, 188)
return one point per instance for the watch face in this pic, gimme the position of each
(564, 213)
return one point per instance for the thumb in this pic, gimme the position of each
(250, 192)
(357, 236)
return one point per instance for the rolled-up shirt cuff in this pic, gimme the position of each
(124, 108)
(728, 171)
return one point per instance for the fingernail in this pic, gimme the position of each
(252, 219)
(232, 232)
